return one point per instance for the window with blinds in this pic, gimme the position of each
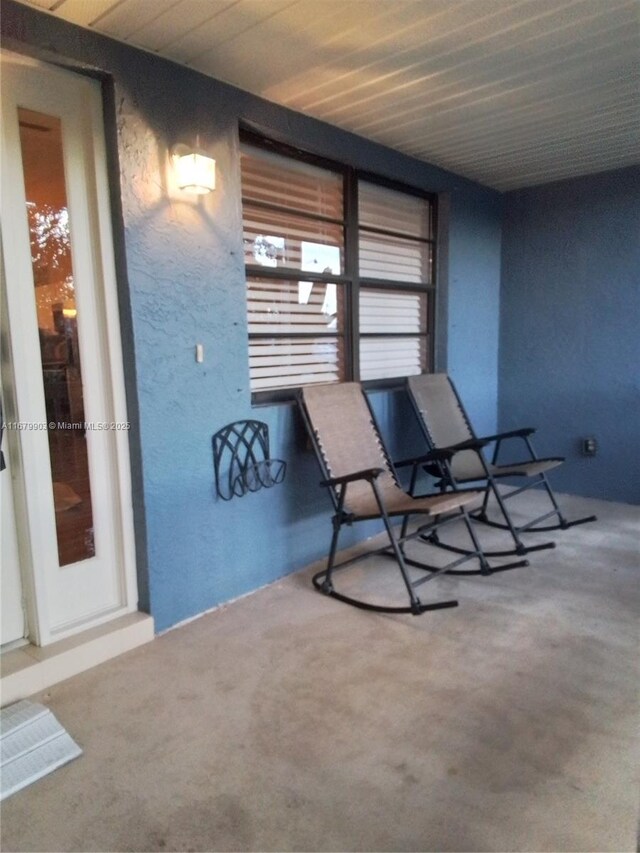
(295, 332)
(317, 313)
(395, 242)
(293, 222)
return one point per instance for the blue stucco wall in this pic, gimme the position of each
(474, 299)
(182, 282)
(570, 327)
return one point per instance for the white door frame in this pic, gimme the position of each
(93, 255)
(14, 616)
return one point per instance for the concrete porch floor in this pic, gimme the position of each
(290, 721)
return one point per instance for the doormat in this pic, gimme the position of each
(32, 745)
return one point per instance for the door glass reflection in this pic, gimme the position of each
(42, 157)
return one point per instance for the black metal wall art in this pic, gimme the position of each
(241, 460)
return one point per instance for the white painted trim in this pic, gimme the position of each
(100, 348)
(30, 669)
(115, 355)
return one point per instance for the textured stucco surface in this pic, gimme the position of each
(182, 283)
(570, 321)
(474, 304)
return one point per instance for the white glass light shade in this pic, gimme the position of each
(195, 172)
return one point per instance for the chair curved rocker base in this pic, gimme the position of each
(416, 609)
(563, 524)
(486, 571)
(520, 551)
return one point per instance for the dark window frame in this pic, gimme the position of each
(350, 278)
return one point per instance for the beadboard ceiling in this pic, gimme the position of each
(510, 93)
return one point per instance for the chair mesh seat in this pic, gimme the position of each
(361, 501)
(467, 466)
(525, 469)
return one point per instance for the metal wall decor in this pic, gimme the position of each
(241, 460)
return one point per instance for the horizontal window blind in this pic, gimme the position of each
(394, 259)
(289, 307)
(391, 312)
(394, 238)
(282, 181)
(390, 210)
(389, 357)
(283, 240)
(276, 363)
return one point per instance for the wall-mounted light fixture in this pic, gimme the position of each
(195, 170)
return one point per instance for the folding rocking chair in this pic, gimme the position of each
(363, 486)
(447, 428)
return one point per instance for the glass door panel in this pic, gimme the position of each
(50, 240)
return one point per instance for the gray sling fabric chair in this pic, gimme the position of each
(363, 486)
(447, 427)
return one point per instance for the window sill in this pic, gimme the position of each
(267, 399)
(287, 397)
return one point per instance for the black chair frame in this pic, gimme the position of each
(441, 469)
(337, 487)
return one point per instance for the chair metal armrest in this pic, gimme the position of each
(435, 455)
(525, 432)
(469, 444)
(369, 474)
